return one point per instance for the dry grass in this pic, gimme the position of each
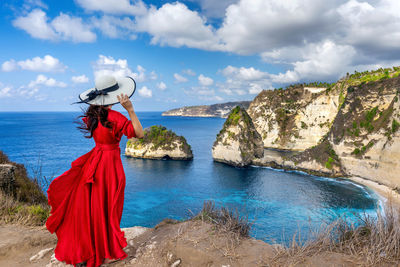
(224, 219)
(14, 211)
(374, 241)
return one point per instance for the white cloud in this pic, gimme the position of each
(175, 25)
(118, 68)
(27, 93)
(72, 28)
(49, 82)
(179, 78)
(63, 27)
(254, 26)
(35, 24)
(114, 6)
(162, 86)
(10, 65)
(5, 92)
(45, 64)
(29, 4)
(247, 74)
(153, 75)
(80, 79)
(114, 27)
(145, 92)
(189, 72)
(241, 81)
(205, 81)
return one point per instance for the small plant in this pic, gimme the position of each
(395, 126)
(356, 151)
(328, 164)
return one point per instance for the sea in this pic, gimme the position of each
(278, 204)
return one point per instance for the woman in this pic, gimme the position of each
(87, 200)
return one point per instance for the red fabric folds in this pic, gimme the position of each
(87, 200)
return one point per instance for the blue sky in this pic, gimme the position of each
(186, 52)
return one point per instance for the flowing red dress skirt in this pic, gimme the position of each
(87, 200)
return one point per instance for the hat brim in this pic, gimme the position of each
(127, 86)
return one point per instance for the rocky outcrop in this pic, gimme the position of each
(7, 178)
(159, 143)
(298, 117)
(215, 110)
(349, 128)
(366, 135)
(15, 182)
(238, 142)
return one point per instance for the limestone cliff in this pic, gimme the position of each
(238, 142)
(365, 133)
(159, 143)
(349, 128)
(215, 110)
(298, 117)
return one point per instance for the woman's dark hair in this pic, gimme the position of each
(93, 113)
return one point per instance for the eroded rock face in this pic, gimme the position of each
(366, 135)
(364, 138)
(295, 118)
(238, 142)
(159, 143)
(351, 128)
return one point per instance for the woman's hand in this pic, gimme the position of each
(125, 102)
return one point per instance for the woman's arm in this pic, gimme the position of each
(127, 104)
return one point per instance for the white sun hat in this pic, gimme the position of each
(106, 89)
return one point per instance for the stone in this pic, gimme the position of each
(7, 178)
(40, 254)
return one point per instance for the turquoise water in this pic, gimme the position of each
(278, 203)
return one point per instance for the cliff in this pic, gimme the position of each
(348, 128)
(159, 143)
(298, 117)
(215, 110)
(238, 142)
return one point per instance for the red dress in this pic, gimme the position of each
(87, 200)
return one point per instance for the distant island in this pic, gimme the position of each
(215, 110)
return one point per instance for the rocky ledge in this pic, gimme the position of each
(159, 143)
(216, 110)
(238, 142)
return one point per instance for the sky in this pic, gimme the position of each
(187, 52)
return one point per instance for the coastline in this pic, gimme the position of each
(383, 191)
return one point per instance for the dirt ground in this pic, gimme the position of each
(190, 243)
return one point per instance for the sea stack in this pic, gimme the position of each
(238, 142)
(159, 143)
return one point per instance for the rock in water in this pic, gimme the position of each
(159, 143)
(238, 142)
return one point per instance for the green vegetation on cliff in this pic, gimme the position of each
(159, 137)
